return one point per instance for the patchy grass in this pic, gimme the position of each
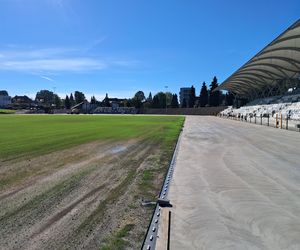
(155, 173)
(147, 176)
(58, 190)
(32, 135)
(97, 215)
(134, 174)
(117, 241)
(146, 185)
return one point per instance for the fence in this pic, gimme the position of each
(186, 111)
(276, 122)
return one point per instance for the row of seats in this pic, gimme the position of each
(289, 110)
(276, 99)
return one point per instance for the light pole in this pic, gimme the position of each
(166, 87)
(54, 98)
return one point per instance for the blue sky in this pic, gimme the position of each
(122, 46)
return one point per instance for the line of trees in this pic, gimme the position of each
(210, 97)
(159, 100)
(79, 98)
(207, 97)
(48, 98)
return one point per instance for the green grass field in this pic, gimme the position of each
(32, 135)
(104, 187)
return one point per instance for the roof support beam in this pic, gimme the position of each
(244, 84)
(250, 75)
(285, 39)
(279, 49)
(254, 67)
(285, 59)
(262, 72)
(250, 81)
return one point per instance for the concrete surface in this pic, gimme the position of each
(235, 186)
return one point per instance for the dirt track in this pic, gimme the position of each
(76, 198)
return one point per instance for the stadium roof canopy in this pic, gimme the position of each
(277, 61)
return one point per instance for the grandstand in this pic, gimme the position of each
(268, 85)
(115, 110)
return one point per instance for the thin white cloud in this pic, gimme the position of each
(37, 61)
(54, 60)
(36, 53)
(53, 65)
(126, 63)
(47, 78)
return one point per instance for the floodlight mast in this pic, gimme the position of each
(166, 87)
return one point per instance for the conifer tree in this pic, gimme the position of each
(214, 96)
(67, 102)
(192, 98)
(203, 95)
(93, 100)
(174, 102)
(72, 101)
(149, 99)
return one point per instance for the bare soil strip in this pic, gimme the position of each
(79, 197)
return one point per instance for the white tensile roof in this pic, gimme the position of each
(277, 61)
